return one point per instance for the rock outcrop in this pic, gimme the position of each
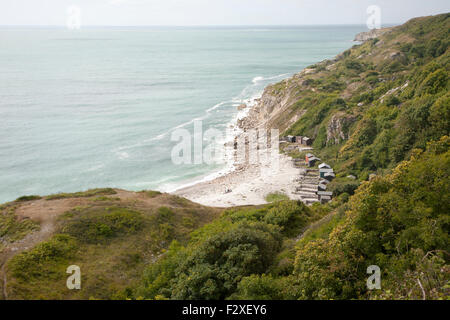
(337, 129)
(369, 35)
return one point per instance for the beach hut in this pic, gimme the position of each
(312, 161)
(290, 138)
(323, 165)
(303, 149)
(324, 196)
(322, 172)
(329, 176)
(306, 141)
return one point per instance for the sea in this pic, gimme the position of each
(97, 107)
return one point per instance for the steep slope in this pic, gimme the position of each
(368, 110)
(399, 222)
(370, 106)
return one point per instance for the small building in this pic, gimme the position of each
(290, 138)
(307, 156)
(306, 141)
(322, 172)
(303, 149)
(329, 176)
(323, 165)
(324, 196)
(322, 187)
(312, 161)
(325, 193)
(324, 181)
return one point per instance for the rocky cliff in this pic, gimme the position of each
(369, 106)
(369, 35)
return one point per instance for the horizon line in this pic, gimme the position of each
(202, 25)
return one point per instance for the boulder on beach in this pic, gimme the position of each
(242, 107)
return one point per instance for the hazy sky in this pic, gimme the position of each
(214, 12)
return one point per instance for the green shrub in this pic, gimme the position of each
(215, 267)
(99, 225)
(12, 229)
(46, 260)
(392, 101)
(343, 185)
(28, 198)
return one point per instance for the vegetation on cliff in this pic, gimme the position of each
(372, 105)
(380, 107)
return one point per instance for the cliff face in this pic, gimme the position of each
(275, 108)
(376, 101)
(369, 35)
(338, 127)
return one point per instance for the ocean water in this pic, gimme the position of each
(96, 107)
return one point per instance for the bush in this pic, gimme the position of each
(259, 287)
(392, 101)
(435, 82)
(44, 260)
(12, 229)
(28, 198)
(98, 225)
(291, 216)
(214, 268)
(343, 185)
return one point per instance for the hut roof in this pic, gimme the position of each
(324, 166)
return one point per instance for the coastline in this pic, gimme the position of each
(243, 183)
(248, 185)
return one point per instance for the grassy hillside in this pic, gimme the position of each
(373, 104)
(111, 235)
(380, 107)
